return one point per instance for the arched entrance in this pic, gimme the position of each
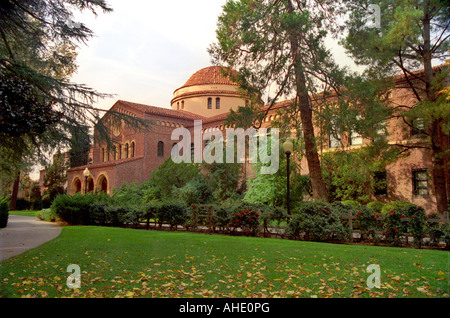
(90, 184)
(102, 183)
(76, 185)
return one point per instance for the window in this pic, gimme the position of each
(192, 152)
(217, 103)
(178, 105)
(380, 182)
(209, 103)
(132, 149)
(102, 155)
(182, 104)
(418, 127)
(420, 182)
(160, 149)
(381, 131)
(333, 142)
(355, 137)
(119, 151)
(126, 150)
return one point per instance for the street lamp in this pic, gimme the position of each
(288, 148)
(86, 174)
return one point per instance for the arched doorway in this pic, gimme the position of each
(90, 184)
(76, 185)
(102, 184)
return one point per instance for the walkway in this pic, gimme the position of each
(23, 233)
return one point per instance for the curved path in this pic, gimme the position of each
(23, 233)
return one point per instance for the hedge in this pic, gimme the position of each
(4, 212)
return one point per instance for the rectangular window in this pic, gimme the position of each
(418, 127)
(356, 138)
(380, 178)
(217, 103)
(420, 182)
(333, 142)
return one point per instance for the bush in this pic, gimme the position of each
(246, 217)
(4, 212)
(76, 209)
(172, 212)
(376, 206)
(47, 215)
(417, 223)
(353, 203)
(438, 231)
(388, 207)
(393, 227)
(22, 204)
(317, 221)
(367, 223)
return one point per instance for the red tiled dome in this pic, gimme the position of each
(208, 75)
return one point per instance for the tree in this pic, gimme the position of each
(410, 36)
(280, 44)
(55, 177)
(38, 102)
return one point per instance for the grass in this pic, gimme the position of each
(117, 262)
(24, 212)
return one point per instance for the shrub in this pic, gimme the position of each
(222, 216)
(393, 227)
(47, 215)
(388, 207)
(4, 212)
(246, 217)
(22, 204)
(417, 223)
(367, 223)
(76, 209)
(376, 206)
(438, 231)
(172, 212)
(317, 221)
(353, 203)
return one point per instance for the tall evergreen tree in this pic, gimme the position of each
(410, 35)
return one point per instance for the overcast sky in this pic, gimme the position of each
(144, 50)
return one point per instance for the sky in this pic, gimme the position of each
(145, 49)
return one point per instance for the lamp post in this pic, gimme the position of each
(288, 148)
(86, 174)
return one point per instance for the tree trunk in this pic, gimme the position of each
(12, 204)
(436, 134)
(319, 189)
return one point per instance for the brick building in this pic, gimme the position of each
(209, 96)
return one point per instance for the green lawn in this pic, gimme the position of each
(118, 262)
(24, 212)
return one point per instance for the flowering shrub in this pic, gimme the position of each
(393, 227)
(416, 223)
(246, 219)
(367, 222)
(438, 231)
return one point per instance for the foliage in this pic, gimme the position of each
(55, 177)
(246, 217)
(394, 227)
(172, 212)
(48, 215)
(167, 176)
(388, 207)
(417, 223)
(377, 206)
(349, 175)
(195, 191)
(128, 194)
(438, 231)
(367, 222)
(4, 212)
(75, 209)
(316, 221)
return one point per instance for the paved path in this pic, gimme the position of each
(23, 233)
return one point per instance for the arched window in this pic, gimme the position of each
(102, 155)
(178, 105)
(126, 150)
(160, 149)
(119, 152)
(182, 104)
(209, 103)
(217, 103)
(132, 149)
(192, 152)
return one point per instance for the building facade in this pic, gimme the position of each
(209, 96)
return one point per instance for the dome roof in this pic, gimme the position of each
(208, 75)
